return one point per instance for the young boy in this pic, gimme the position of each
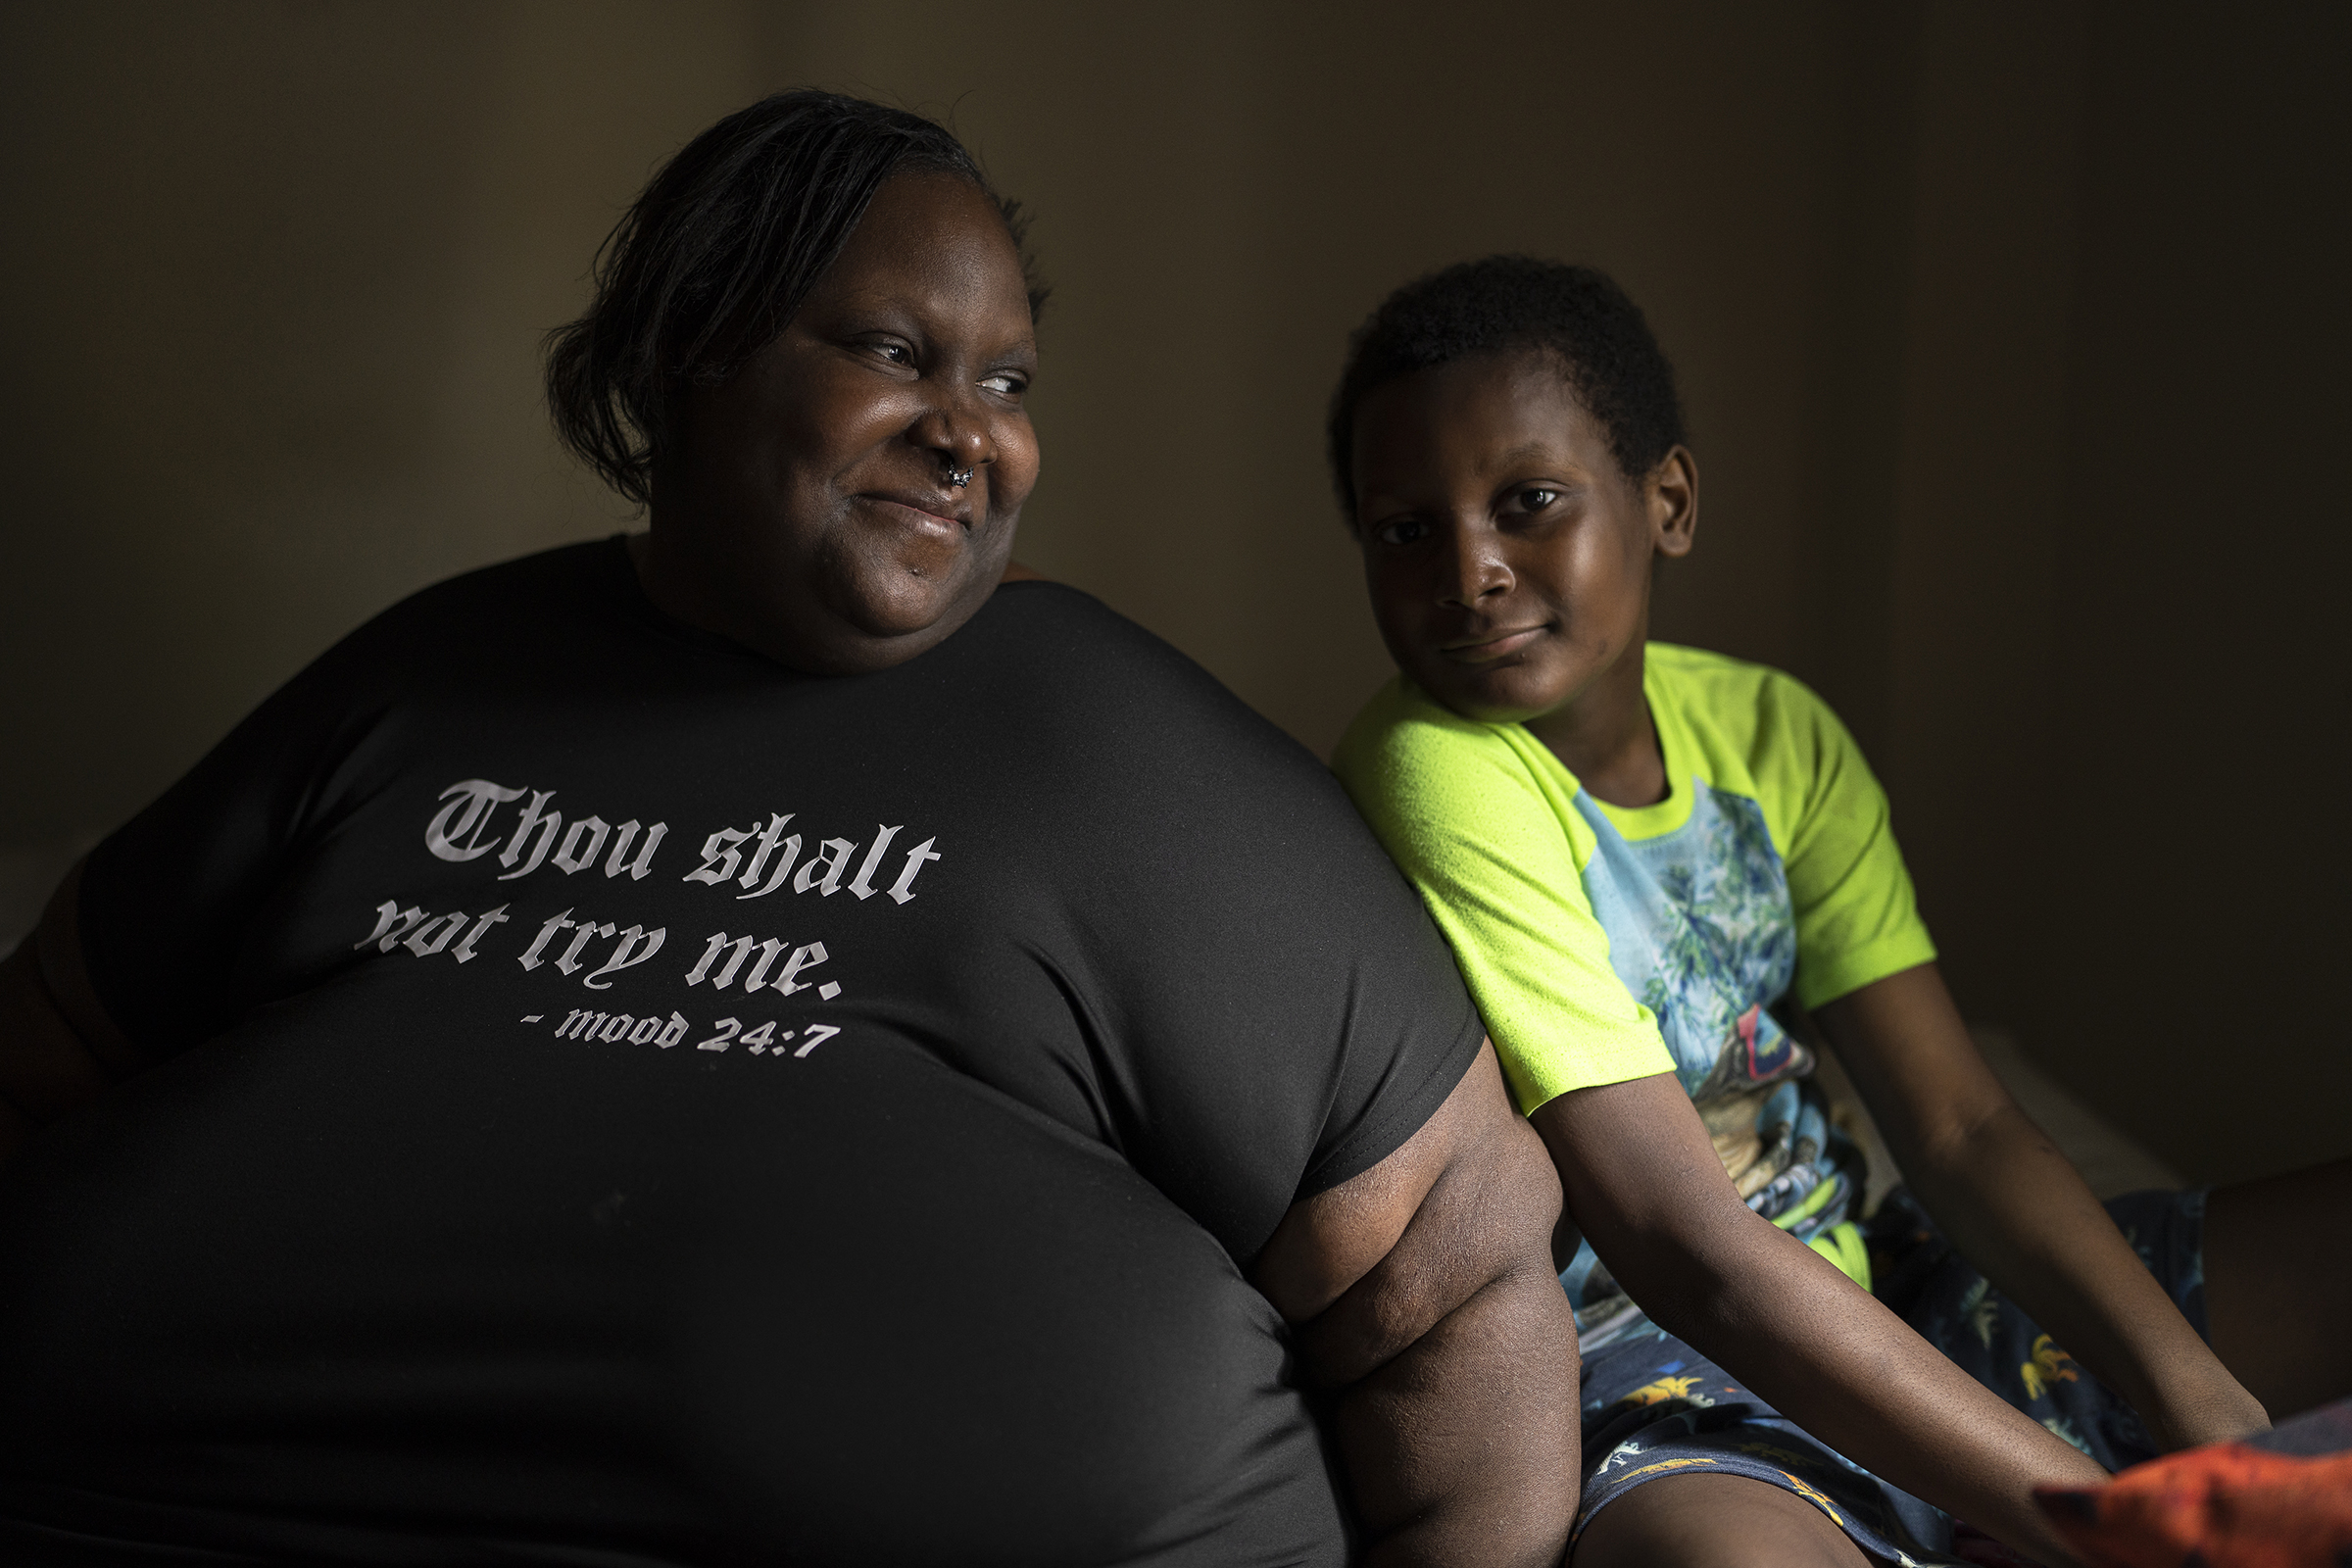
(1647, 860)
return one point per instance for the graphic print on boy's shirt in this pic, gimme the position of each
(1701, 931)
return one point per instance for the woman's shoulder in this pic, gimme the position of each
(1062, 639)
(565, 573)
(573, 593)
(1064, 674)
(473, 634)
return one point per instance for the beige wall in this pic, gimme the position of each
(2006, 332)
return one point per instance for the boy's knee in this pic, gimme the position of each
(1713, 1521)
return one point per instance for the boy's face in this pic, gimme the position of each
(1507, 557)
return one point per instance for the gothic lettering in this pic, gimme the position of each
(808, 957)
(863, 886)
(644, 863)
(767, 955)
(570, 964)
(831, 863)
(580, 1025)
(433, 935)
(904, 889)
(554, 923)
(726, 976)
(636, 945)
(720, 856)
(464, 952)
(456, 830)
(392, 922)
(574, 857)
(546, 827)
(768, 847)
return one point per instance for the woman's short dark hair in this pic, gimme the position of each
(1511, 304)
(708, 266)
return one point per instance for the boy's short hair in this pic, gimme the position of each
(1506, 303)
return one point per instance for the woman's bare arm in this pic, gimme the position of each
(1646, 1186)
(2018, 1210)
(1426, 1303)
(58, 1048)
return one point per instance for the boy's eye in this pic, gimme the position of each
(1403, 531)
(1535, 498)
(1006, 383)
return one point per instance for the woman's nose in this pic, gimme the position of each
(960, 435)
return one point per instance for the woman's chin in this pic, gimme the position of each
(903, 601)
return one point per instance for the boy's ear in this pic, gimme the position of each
(1672, 494)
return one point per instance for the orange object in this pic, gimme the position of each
(2222, 1507)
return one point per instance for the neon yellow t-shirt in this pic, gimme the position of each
(1604, 943)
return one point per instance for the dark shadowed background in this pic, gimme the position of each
(2013, 338)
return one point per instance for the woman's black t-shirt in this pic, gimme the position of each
(630, 1104)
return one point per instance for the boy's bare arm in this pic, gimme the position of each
(1647, 1188)
(2018, 1210)
(1427, 1305)
(58, 1048)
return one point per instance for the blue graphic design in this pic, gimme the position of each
(1702, 932)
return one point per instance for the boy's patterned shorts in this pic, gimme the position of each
(1654, 1408)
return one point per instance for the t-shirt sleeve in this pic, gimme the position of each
(168, 901)
(1411, 1037)
(1262, 1005)
(1274, 975)
(1857, 918)
(1484, 839)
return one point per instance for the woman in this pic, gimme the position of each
(752, 1042)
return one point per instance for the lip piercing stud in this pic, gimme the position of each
(957, 479)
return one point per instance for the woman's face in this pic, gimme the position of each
(808, 512)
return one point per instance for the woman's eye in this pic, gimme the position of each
(895, 352)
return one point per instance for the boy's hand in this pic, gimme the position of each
(1646, 1186)
(2018, 1210)
(1426, 1302)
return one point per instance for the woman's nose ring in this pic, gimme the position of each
(957, 478)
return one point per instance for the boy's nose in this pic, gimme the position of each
(1476, 571)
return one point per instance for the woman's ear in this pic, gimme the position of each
(1672, 492)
